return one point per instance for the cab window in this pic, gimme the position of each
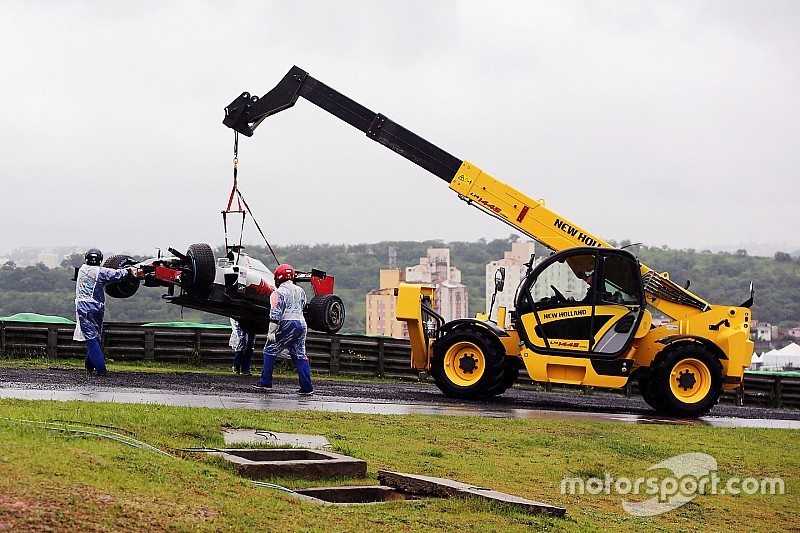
(563, 282)
(621, 281)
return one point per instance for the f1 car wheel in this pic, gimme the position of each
(467, 364)
(202, 271)
(687, 381)
(325, 312)
(126, 287)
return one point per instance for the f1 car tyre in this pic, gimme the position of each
(200, 277)
(126, 287)
(325, 312)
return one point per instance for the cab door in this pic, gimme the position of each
(582, 302)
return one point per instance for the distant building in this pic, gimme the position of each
(452, 297)
(48, 258)
(51, 257)
(761, 331)
(381, 307)
(434, 268)
(514, 263)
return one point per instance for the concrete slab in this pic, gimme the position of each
(425, 486)
(274, 438)
(257, 463)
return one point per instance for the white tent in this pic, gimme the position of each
(783, 359)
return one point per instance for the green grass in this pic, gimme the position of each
(56, 480)
(283, 368)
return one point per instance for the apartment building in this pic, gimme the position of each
(452, 298)
(514, 263)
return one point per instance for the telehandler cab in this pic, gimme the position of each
(604, 339)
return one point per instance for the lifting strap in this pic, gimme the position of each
(235, 192)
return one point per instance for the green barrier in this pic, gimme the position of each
(772, 373)
(36, 318)
(196, 325)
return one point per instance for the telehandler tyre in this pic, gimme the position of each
(126, 287)
(645, 383)
(686, 380)
(466, 364)
(511, 368)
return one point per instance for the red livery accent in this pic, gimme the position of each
(322, 286)
(263, 288)
(167, 274)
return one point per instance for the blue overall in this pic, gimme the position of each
(90, 302)
(286, 309)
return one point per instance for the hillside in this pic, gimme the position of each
(717, 277)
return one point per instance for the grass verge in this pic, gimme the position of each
(56, 480)
(283, 367)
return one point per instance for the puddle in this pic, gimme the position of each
(284, 403)
(273, 438)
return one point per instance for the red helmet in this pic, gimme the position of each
(283, 272)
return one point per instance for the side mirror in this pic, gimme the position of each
(749, 302)
(500, 279)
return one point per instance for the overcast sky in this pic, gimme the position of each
(668, 123)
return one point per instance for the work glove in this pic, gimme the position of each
(273, 330)
(133, 272)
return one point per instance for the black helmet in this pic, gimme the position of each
(93, 256)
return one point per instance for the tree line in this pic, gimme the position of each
(719, 278)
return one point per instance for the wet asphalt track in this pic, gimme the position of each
(232, 391)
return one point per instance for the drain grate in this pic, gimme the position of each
(293, 462)
(354, 494)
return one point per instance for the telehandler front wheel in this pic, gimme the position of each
(687, 381)
(646, 389)
(466, 364)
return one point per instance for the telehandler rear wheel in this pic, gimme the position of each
(466, 364)
(687, 381)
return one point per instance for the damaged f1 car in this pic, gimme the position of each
(236, 285)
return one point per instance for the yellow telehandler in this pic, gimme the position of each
(604, 338)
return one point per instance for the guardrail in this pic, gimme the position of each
(351, 355)
(356, 355)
